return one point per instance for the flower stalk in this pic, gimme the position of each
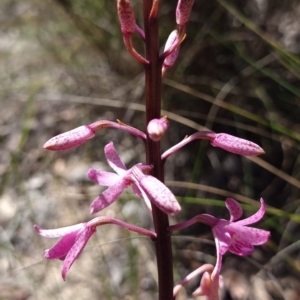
(153, 83)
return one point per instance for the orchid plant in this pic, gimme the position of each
(147, 179)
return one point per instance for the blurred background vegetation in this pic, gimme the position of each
(63, 64)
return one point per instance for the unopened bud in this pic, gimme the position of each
(157, 128)
(126, 16)
(236, 145)
(183, 11)
(171, 58)
(70, 139)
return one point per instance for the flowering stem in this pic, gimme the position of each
(153, 83)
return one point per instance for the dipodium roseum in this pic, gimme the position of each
(236, 236)
(231, 235)
(74, 238)
(145, 186)
(72, 242)
(116, 182)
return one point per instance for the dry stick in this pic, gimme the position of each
(153, 152)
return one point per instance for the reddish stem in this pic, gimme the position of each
(153, 82)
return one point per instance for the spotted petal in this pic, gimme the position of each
(241, 248)
(256, 217)
(234, 208)
(102, 177)
(108, 196)
(76, 250)
(114, 159)
(140, 192)
(59, 232)
(222, 237)
(62, 247)
(156, 191)
(249, 234)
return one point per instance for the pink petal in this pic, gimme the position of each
(234, 208)
(139, 192)
(136, 190)
(218, 265)
(114, 159)
(251, 235)
(157, 192)
(103, 178)
(108, 196)
(223, 237)
(62, 247)
(256, 217)
(241, 248)
(76, 249)
(59, 232)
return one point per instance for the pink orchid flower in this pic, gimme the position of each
(231, 235)
(237, 237)
(145, 186)
(72, 242)
(74, 238)
(116, 182)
